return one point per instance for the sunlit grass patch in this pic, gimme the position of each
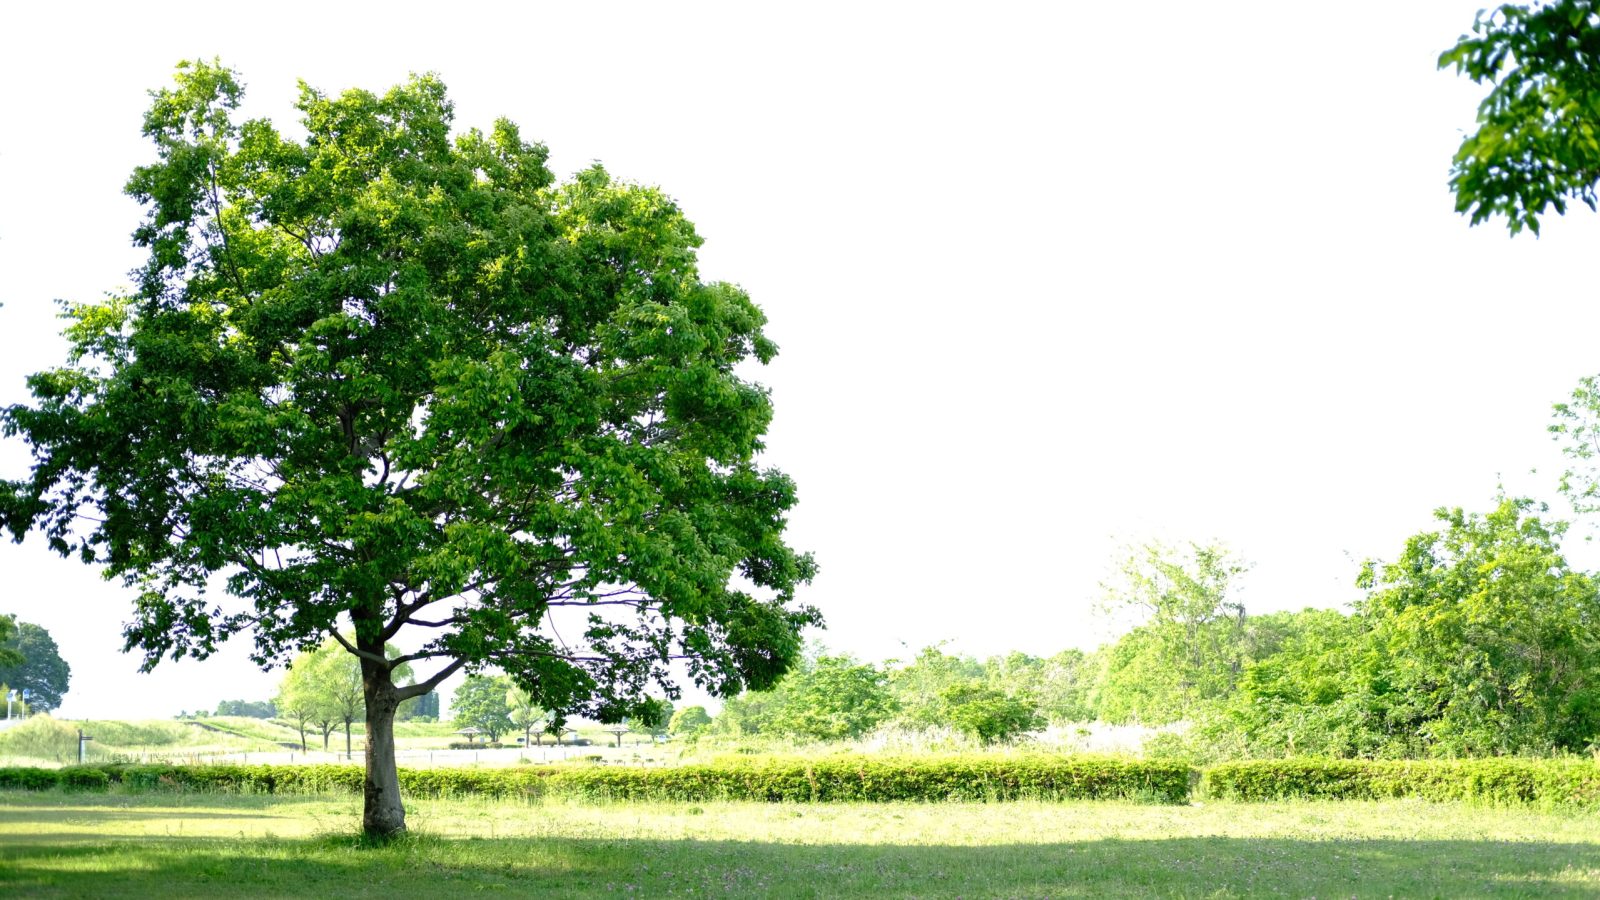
(54, 844)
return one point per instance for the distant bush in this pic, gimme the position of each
(470, 745)
(84, 778)
(29, 778)
(1501, 780)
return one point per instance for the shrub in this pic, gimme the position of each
(29, 778)
(860, 778)
(1498, 780)
(84, 778)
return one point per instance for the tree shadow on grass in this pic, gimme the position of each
(422, 866)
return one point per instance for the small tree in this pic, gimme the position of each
(919, 688)
(1193, 632)
(989, 714)
(832, 698)
(480, 702)
(296, 703)
(689, 721)
(527, 715)
(326, 685)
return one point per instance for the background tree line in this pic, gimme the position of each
(1478, 639)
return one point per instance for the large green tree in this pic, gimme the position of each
(1537, 144)
(398, 380)
(1488, 636)
(37, 666)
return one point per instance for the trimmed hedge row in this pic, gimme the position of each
(1500, 780)
(769, 780)
(861, 778)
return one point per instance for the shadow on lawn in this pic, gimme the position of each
(564, 867)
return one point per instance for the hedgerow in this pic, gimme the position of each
(886, 779)
(1499, 780)
(844, 778)
(860, 778)
(29, 778)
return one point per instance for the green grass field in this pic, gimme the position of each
(147, 845)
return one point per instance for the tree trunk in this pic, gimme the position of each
(382, 815)
(347, 738)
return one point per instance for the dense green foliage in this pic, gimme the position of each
(402, 377)
(481, 702)
(1189, 649)
(1537, 145)
(985, 777)
(1565, 781)
(980, 777)
(689, 721)
(253, 709)
(8, 632)
(31, 661)
(831, 698)
(1488, 637)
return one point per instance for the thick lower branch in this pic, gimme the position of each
(423, 687)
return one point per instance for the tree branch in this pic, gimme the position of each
(361, 653)
(423, 687)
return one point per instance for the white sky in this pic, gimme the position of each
(1046, 277)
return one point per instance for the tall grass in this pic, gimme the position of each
(44, 740)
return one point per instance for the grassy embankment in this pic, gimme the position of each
(48, 742)
(44, 741)
(56, 844)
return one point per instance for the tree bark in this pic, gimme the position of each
(383, 815)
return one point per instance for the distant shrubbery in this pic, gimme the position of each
(254, 709)
(1478, 641)
(1563, 781)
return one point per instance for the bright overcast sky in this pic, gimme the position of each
(1045, 277)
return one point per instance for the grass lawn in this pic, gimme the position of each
(156, 845)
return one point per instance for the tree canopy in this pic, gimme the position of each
(1537, 145)
(30, 660)
(400, 380)
(481, 702)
